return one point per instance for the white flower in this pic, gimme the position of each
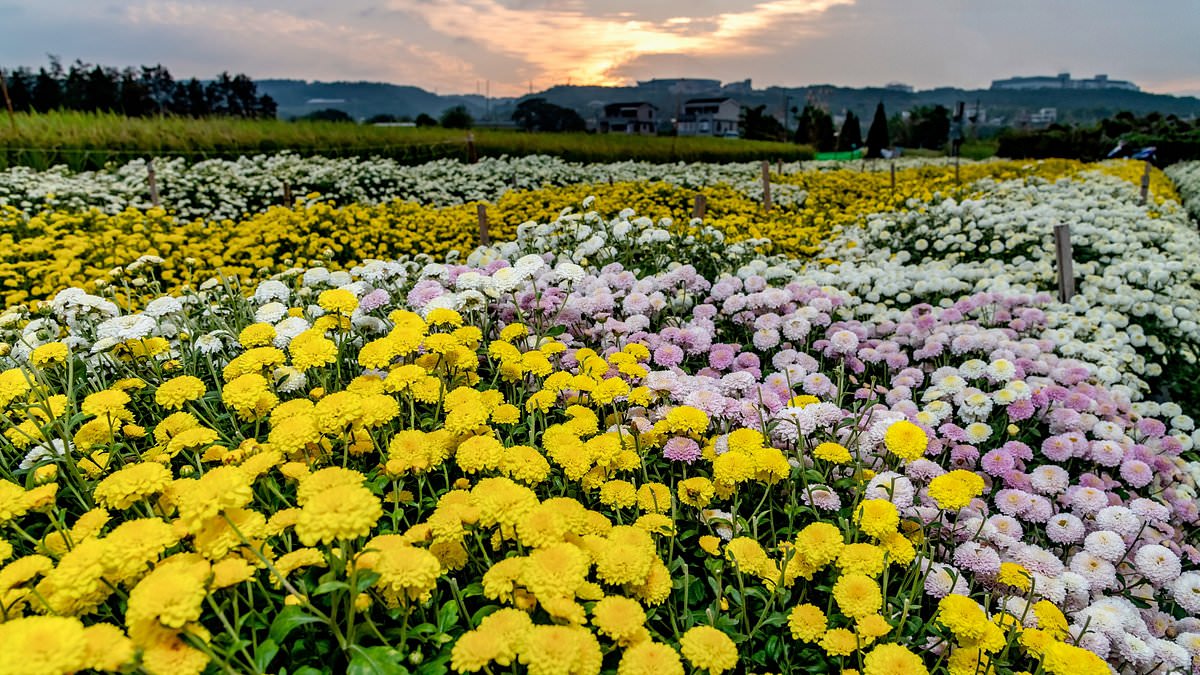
(289, 380)
(54, 449)
(1157, 563)
(160, 307)
(288, 329)
(270, 312)
(210, 343)
(1186, 591)
(314, 277)
(128, 327)
(570, 272)
(271, 289)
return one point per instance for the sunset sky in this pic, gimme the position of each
(453, 46)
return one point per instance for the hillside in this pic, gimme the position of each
(363, 99)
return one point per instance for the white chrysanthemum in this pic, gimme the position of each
(210, 343)
(1190, 642)
(289, 380)
(128, 327)
(272, 290)
(288, 329)
(314, 277)
(1119, 519)
(1105, 544)
(271, 312)
(1049, 479)
(843, 342)
(1157, 563)
(54, 449)
(160, 307)
(1186, 591)
(1099, 572)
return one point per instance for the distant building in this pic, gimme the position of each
(1044, 117)
(324, 101)
(718, 116)
(638, 117)
(899, 86)
(1062, 81)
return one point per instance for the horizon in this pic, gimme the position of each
(451, 47)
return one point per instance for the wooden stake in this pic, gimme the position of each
(1062, 255)
(12, 118)
(701, 206)
(766, 184)
(610, 180)
(153, 181)
(893, 165)
(481, 211)
(779, 166)
(1146, 181)
(472, 153)
(287, 194)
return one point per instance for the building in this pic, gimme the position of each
(1062, 81)
(637, 117)
(1044, 116)
(719, 116)
(743, 87)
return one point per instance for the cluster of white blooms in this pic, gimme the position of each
(222, 188)
(1187, 180)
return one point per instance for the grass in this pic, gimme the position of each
(84, 141)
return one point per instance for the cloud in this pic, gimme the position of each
(451, 45)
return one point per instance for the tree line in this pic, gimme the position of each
(135, 92)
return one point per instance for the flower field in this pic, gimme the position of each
(853, 434)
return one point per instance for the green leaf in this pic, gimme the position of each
(264, 653)
(375, 661)
(556, 331)
(365, 579)
(329, 587)
(288, 620)
(447, 615)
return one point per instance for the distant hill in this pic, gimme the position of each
(364, 99)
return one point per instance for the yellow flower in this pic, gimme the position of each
(1015, 575)
(621, 619)
(48, 354)
(893, 659)
(877, 517)
(406, 573)
(43, 644)
(696, 492)
(338, 300)
(807, 622)
(340, 512)
(857, 595)
(710, 544)
(551, 650)
(839, 642)
(124, 487)
(906, 440)
(707, 648)
(1061, 658)
(955, 490)
(618, 494)
(650, 658)
(832, 452)
(257, 335)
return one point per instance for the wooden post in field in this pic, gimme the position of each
(779, 166)
(701, 206)
(1146, 181)
(766, 183)
(1062, 254)
(153, 181)
(893, 165)
(287, 193)
(12, 118)
(610, 180)
(472, 153)
(481, 211)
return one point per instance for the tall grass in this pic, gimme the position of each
(88, 141)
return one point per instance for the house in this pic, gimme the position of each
(709, 117)
(638, 117)
(1044, 116)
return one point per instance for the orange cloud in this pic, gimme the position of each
(567, 44)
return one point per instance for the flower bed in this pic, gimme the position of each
(623, 446)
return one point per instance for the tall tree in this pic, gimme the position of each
(815, 127)
(457, 118)
(47, 92)
(877, 135)
(850, 137)
(757, 125)
(538, 114)
(20, 89)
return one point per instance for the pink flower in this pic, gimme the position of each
(681, 449)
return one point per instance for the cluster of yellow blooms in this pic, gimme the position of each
(45, 253)
(485, 482)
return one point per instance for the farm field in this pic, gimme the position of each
(91, 140)
(294, 418)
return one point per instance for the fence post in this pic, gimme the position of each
(481, 212)
(1062, 254)
(893, 165)
(472, 153)
(779, 166)
(152, 179)
(12, 118)
(1146, 182)
(766, 185)
(287, 194)
(701, 206)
